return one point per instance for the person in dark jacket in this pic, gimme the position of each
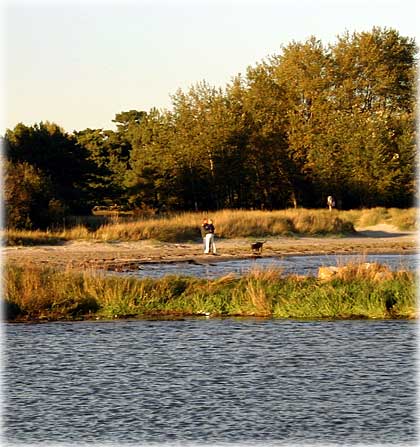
(209, 238)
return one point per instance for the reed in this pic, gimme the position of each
(42, 292)
(178, 228)
(32, 292)
(356, 298)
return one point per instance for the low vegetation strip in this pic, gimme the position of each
(183, 227)
(33, 293)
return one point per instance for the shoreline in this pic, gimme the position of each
(82, 254)
(87, 257)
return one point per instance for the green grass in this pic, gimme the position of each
(35, 293)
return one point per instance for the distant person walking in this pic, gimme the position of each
(209, 238)
(330, 202)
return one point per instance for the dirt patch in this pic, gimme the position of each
(90, 254)
(382, 231)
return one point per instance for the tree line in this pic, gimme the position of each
(312, 121)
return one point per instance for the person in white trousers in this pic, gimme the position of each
(209, 240)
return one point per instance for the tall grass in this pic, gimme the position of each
(403, 219)
(32, 292)
(186, 227)
(229, 224)
(36, 237)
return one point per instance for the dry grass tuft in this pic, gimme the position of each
(370, 271)
(257, 295)
(264, 274)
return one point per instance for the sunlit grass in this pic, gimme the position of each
(403, 219)
(37, 237)
(32, 292)
(229, 224)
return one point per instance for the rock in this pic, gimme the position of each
(327, 273)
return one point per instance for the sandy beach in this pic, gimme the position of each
(90, 254)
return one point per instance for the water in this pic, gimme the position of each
(211, 381)
(301, 265)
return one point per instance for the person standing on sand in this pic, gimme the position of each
(209, 230)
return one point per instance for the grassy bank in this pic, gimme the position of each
(34, 293)
(229, 224)
(403, 219)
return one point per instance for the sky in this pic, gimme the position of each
(78, 63)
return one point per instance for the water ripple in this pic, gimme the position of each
(218, 380)
(300, 265)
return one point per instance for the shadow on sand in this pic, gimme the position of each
(380, 234)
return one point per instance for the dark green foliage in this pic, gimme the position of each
(311, 121)
(29, 195)
(108, 154)
(46, 175)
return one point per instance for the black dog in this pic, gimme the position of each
(257, 247)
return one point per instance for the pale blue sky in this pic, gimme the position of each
(78, 63)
